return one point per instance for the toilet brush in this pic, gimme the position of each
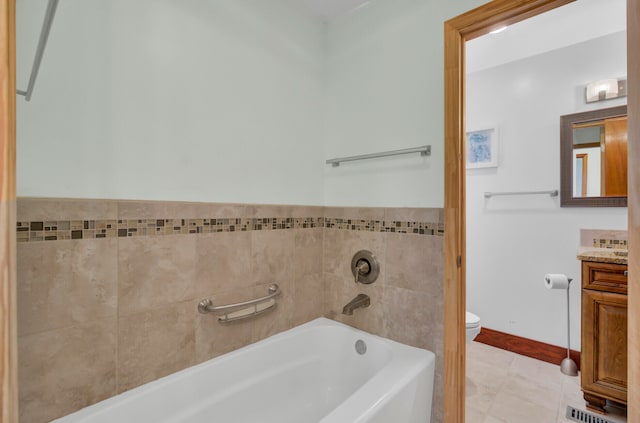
(568, 366)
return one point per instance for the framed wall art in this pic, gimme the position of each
(482, 148)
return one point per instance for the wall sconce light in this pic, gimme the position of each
(605, 89)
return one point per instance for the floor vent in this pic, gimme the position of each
(584, 416)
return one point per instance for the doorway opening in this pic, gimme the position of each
(457, 31)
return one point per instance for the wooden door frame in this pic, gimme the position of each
(633, 129)
(457, 31)
(8, 319)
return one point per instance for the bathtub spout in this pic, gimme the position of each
(360, 301)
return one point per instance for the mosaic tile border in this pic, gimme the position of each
(420, 228)
(614, 244)
(60, 230)
(88, 229)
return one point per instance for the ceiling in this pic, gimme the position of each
(330, 9)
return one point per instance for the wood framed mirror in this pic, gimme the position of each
(593, 158)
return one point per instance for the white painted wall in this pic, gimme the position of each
(173, 100)
(513, 241)
(231, 101)
(385, 92)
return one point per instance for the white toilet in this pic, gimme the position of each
(473, 326)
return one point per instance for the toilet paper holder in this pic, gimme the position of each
(561, 281)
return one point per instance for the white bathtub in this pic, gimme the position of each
(311, 373)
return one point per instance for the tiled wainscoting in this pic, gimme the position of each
(108, 290)
(407, 299)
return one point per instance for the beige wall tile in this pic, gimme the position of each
(176, 209)
(415, 318)
(63, 370)
(277, 320)
(213, 338)
(38, 208)
(414, 261)
(271, 210)
(309, 211)
(307, 255)
(334, 297)
(155, 343)
(412, 317)
(278, 210)
(155, 271)
(65, 282)
(365, 213)
(410, 214)
(223, 262)
(437, 409)
(222, 210)
(332, 251)
(271, 256)
(309, 298)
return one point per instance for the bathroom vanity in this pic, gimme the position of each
(604, 327)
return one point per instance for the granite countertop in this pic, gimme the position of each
(603, 255)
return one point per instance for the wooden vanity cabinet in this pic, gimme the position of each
(604, 334)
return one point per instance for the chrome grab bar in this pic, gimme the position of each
(245, 314)
(238, 311)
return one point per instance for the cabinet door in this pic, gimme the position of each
(604, 344)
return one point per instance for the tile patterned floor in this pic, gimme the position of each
(503, 387)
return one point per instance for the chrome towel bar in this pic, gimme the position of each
(552, 193)
(424, 150)
(243, 310)
(42, 43)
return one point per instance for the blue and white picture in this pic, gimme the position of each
(482, 149)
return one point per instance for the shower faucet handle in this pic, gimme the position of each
(362, 269)
(365, 267)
